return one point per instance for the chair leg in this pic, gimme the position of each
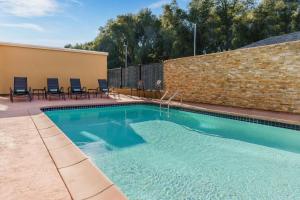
(11, 98)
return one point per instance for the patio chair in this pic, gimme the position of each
(158, 88)
(53, 89)
(20, 88)
(103, 87)
(76, 89)
(140, 88)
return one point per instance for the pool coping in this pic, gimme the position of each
(81, 177)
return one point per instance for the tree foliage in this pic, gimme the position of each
(221, 25)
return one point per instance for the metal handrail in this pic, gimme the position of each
(173, 96)
(170, 99)
(168, 102)
(162, 98)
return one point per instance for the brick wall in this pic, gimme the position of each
(265, 78)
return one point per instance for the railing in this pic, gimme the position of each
(170, 99)
(162, 99)
(168, 102)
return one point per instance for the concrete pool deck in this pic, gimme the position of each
(37, 161)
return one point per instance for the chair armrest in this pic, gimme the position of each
(61, 89)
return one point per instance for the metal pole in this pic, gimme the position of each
(121, 78)
(126, 52)
(140, 72)
(195, 33)
(126, 70)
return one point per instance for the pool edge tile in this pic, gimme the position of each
(112, 193)
(67, 156)
(294, 125)
(56, 142)
(84, 180)
(42, 121)
(50, 132)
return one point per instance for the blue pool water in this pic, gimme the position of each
(187, 156)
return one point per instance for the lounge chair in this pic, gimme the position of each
(20, 88)
(103, 87)
(76, 89)
(158, 88)
(140, 88)
(53, 89)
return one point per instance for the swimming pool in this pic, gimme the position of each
(187, 155)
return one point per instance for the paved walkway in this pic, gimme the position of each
(27, 171)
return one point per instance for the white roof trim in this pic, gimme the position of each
(52, 48)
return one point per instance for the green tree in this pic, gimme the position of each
(146, 37)
(201, 13)
(275, 17)
(176, 32)
(229, 13)
(295, 23)
(221, 25)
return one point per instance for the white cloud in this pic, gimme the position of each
(28, 8)
(28, 26)
(158, 4)
(77, 2)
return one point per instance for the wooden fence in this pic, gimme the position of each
(128, 77)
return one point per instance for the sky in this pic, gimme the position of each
(59, 22)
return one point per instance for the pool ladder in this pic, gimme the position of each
(168, 102)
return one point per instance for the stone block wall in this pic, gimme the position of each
(265, 78)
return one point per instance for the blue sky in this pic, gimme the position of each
(58, 22)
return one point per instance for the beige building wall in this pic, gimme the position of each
(1, 71)
(39, 63)
(263, 78)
